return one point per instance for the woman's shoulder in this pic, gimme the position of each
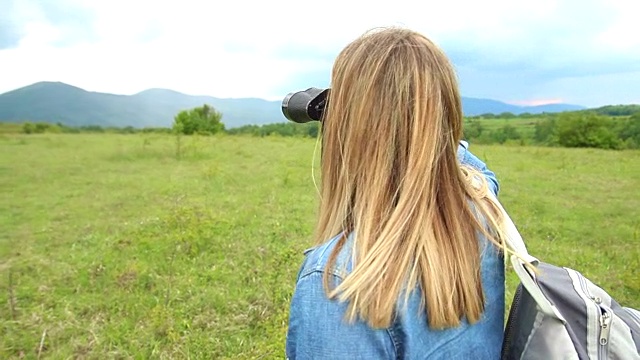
(317, 257)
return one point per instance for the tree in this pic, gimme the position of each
(200, 120)
(545, 132)
(629, 131)
(586, 130)
(472, 129)
(35, 128)
(506, 115)
(28, 128)
(507, 132)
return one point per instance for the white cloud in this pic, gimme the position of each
(252, 48)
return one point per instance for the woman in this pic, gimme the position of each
(407, 263)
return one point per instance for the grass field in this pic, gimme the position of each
(116, 246)
(525, 127)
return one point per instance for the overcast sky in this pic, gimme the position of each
(583, 52)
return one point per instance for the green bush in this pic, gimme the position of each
(39, 128)
(506, 132)
(472, 129)
(544, 132)
(586, 130)
(204, 120)
(629, 131)
(28, 128)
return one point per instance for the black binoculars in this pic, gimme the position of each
(304, 106)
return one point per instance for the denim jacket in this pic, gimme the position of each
(317, 329)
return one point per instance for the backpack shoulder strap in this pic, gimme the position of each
(527, 279)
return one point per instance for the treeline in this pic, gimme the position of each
(279, 129)
(618, 110)
(571, 129)
(44, 127)
(609, 110)
(310, 129)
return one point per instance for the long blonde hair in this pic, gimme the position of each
(389, 174)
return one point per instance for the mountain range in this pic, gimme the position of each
(59, 102)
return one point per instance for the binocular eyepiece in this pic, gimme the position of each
(305, 106)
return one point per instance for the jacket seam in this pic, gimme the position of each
(319, 265)
(319, 269)
(395, 343)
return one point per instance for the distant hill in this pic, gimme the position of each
(73, 106)
(70, 105)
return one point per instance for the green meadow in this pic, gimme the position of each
(525, 126)
(155, 246)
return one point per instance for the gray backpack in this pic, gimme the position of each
(559, 314)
